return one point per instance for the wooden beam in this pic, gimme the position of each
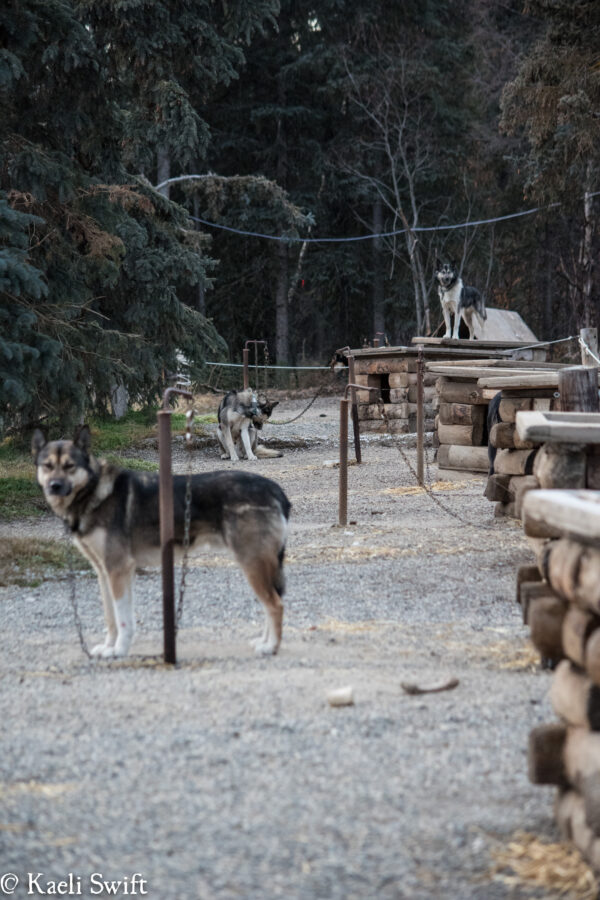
(574, 514)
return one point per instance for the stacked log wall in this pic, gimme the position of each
(515, 468)
(395, 383)
(560, 600)
(460, 426)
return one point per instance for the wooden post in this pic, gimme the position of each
(589, 337)
(578, 388)
(245, 355)
(343, 485)
(167, 533)
(420, 418)
(167, 522)
(355, 425)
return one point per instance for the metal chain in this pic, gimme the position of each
(73, 593)
(187, 515)
(266, 370)
(289, 421)
(428, 486)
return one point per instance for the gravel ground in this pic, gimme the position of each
(230, 776)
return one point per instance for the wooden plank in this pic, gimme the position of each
(574, 514)
(465, 435)
(497, 488)
(578, 822)
(575, 698)
(523, 380)
(468, 459)
(545, 617)
(561, 466)
(479, 372)
(509, 408)
(458, 392)
(546, 754)
(465, 344)
(530, 366)
(461, 414)
(559, 427)
(514, 462)
(578, 626)
(520, 485)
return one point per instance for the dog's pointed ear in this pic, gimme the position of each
(38, 442)
(83, 438)
(274, 404)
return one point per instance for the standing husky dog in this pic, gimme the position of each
(113, 516)
(458, 300)
(241, 415)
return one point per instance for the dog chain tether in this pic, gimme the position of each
(187, 515)
(73, 594)
(428, 486)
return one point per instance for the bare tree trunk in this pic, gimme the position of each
(586, 258)
(282, 294)
(281, 306)
(163, 169)
(411, 247)
(378, 281)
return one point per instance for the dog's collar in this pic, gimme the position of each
(449, 287)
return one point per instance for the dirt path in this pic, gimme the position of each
(231, 776)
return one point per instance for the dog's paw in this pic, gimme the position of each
(264, 648)
(224, 455)
(99, 649)
(253, 457)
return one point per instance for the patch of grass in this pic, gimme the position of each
(28, 561)
(21, 496)
(113, 435)
(126, 462)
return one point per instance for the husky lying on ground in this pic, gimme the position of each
(458, 301)
(241, 415)
(113, 516)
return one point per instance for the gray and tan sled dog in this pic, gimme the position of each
(458, 300)
(241, 416)
(114, 521)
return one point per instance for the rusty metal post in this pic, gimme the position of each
(167, 525)
(343, 485)
(420, 419)
(355, 425)
(245, 355)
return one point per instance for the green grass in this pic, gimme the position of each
(20, 495)
(28, 562)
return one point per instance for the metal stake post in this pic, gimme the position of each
(245, 357)
(343, 487)
(167, 526)
(420, 418)
(355, 425)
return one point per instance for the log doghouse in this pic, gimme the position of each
(539, 442)
(462, 421)
(560, 599)
(392, 371)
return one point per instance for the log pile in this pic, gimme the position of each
(538, 446)
(560, 599)
(394, 383)
(391, 374)
(461, 425)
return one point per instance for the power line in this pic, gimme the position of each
(384, 234)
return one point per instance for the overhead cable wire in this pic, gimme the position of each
(384, 234)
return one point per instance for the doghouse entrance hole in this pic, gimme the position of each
(384, 387)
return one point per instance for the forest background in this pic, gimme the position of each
(304, 121)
